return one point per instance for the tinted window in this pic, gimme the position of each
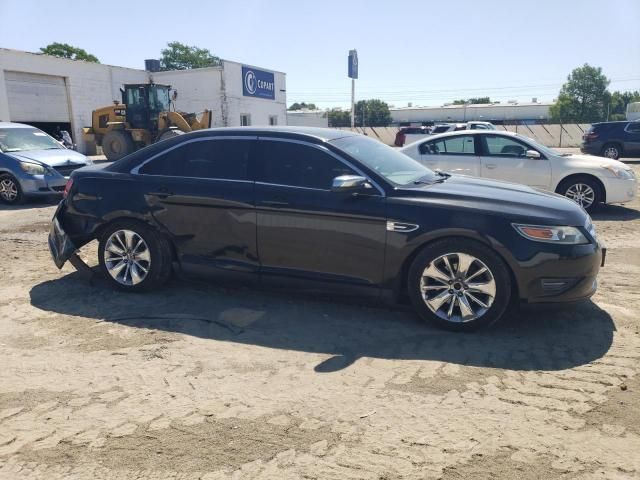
(497, 145)
(440, 129)
(225, 159)
(286, 163)
(634, 127)
(460, 145)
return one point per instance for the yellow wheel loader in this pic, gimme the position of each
(144, 117)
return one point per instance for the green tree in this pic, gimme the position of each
(64, 50)
(618, 104)
(476, 100)
(583, 98)
(303, 106)
(339, 118)
(372, 113)
(178, 56)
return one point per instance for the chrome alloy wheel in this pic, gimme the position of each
(582, 194)
(458, 287)
(127, 257)
(8, 190)
(611, 152)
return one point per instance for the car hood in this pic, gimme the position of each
(519, 202)
(53, 158)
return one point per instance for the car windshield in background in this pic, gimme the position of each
(23, 139)
(396, 167)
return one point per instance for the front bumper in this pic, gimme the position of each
(49, 184)
(620, 190)
(60, 246)
(552, 278)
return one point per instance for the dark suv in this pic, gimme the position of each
(612, 139)
(320, 208)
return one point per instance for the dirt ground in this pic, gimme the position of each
(199, 381)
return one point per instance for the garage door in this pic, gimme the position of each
(36, 98)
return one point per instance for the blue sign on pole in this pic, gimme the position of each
(258, 83)
(353, 64)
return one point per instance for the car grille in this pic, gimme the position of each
(65, 170)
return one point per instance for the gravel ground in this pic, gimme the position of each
(199, 381)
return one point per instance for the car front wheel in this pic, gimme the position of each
(10, 191)
(459, 284)
(134, 257)
(583, 190)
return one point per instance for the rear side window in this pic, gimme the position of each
(219, 159)
(298, 165)
(633, 127)
(459, 145)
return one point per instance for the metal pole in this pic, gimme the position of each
(353, 99)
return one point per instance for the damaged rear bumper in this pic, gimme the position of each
(60, 246)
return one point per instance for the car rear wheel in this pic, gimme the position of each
(134, 257)
(459, 285)
(10, 191)
(611, 150)
(585, 191)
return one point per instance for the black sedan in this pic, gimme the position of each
(320, 208)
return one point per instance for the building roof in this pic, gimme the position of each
(477, 105)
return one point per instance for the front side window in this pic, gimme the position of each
(159, 98)
(501, 146)
(298, 165)
(459, 145)
(24, 139)
(213, 159)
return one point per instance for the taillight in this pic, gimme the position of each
(67, 188)
(590, 136)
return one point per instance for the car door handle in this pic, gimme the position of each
(274, 203)
(491, 166)
(162, 192)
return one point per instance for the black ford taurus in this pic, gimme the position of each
(328, 209)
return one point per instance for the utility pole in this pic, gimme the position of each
(353, 101)
(353, 74)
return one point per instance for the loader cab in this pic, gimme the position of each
(144, 102)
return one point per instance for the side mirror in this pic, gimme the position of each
(532, 154)
(349, 183)
(424, 149)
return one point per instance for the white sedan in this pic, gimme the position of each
(508, 156)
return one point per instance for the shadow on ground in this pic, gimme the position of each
(534, 340)
(615, 213)
(30, 204)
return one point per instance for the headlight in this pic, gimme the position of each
(33, 168)
(622, 173)
(543, 233)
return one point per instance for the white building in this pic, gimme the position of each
(492, 112)
(48, 91)
(308, 118)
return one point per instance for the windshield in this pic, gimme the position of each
(22, 139)
(396, 167)
(159, 98)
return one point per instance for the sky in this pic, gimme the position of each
(426, 53)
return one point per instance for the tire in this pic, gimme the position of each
(167, 134)
(495, 284)
(10, 190)
(611, 150)
(116, 144)
(584, 190)
(154, 256)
